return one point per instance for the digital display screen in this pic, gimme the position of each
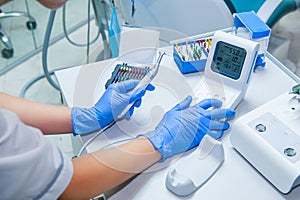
(228, 60)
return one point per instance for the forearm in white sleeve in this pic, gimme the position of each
(30, 166)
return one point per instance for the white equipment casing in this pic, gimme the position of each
(221, 86)
(267, 137)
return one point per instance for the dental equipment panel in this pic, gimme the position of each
(268, 138)
(228, 69)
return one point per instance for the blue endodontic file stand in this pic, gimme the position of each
(250, 26)
(191, 56)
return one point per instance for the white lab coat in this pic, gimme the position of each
(30, 166)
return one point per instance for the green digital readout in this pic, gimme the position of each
(228, 60)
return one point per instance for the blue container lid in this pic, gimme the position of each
(253, 23)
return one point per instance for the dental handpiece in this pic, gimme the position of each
(144, 82)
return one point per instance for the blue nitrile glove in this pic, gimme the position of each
(108, 108)
(183, 127)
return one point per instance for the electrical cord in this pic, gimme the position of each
(34, 80)
(46, 45)
(102, 196)
(100, 132)
(94, 137)
(45, 50)
(66, 32)
(47, 74)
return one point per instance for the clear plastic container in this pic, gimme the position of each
(250, 26)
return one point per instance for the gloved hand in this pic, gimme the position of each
(109, 106)
(183, 127)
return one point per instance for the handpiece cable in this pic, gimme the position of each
(100, 132)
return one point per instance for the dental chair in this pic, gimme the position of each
(8, 51)
(270, 11)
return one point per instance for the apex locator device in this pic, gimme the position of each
(228, 69)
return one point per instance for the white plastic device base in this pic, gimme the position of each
(268, 137)
(191, 172)
(230, 97)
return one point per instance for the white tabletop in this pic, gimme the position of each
(236, 178)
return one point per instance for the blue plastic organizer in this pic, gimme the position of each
(189, 65)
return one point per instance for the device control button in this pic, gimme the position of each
(260, 128)
(290, 152)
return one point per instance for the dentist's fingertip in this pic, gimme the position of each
(189, 97)
(231, 113)
(150, 87)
